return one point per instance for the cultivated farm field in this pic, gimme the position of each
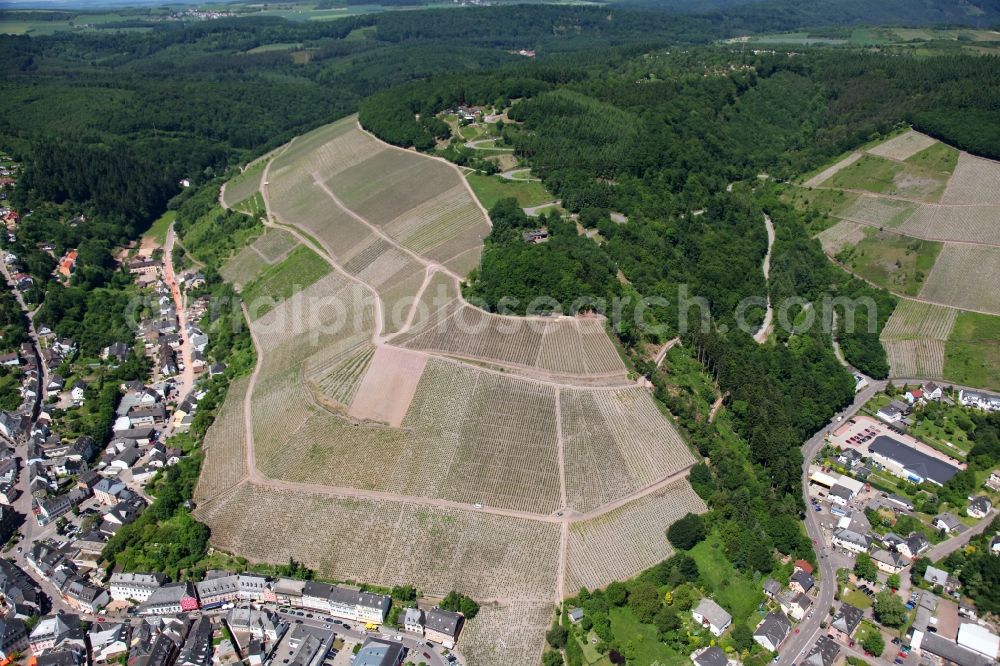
(975, 180)
(492, 557)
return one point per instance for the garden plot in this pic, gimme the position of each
(977, 224)
(922, 358)
(388, 386)
(615, 442)
(903, 146)
(841, 235)
(877, 211)
(481, 554)
(623, 542)
(975, 180)
(912, 320)
(966, 276)
(512, 633)
(224, 447)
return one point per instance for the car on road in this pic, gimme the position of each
(426, 656)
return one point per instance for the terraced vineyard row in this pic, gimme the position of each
(966, 276)
(328, 149)
(563, 345)
(275, 244)
(478, 553)
(915, 358)
(243, 268)
(439, 220)
(620, 544)
(912, 319)
(903, 146)
(511, 633)
(878, 211)
(507, 455)
(390, 183)
(841, 235)
(975, 180)
(976, 224)
(224, 446)
(615, 442)
(342, 382)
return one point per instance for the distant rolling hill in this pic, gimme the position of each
(790, 14)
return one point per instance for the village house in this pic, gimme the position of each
(852, 541)
(912, 546)
(979, 507)
(946, 522)
(795, 605)
(169, 600)
(979, 400)
(712, 656)
(108, 642)
(801, 581)
(846, 621)
(441, 626)
(67, 265)
(710, 614)
(887, 562)
(824, 653)
(936, 576)
(413, 621)
(772, 631)
(135, 586)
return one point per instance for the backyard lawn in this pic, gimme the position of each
(731, 589)
(646, 647)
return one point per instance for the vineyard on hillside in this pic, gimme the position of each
(622, 543)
